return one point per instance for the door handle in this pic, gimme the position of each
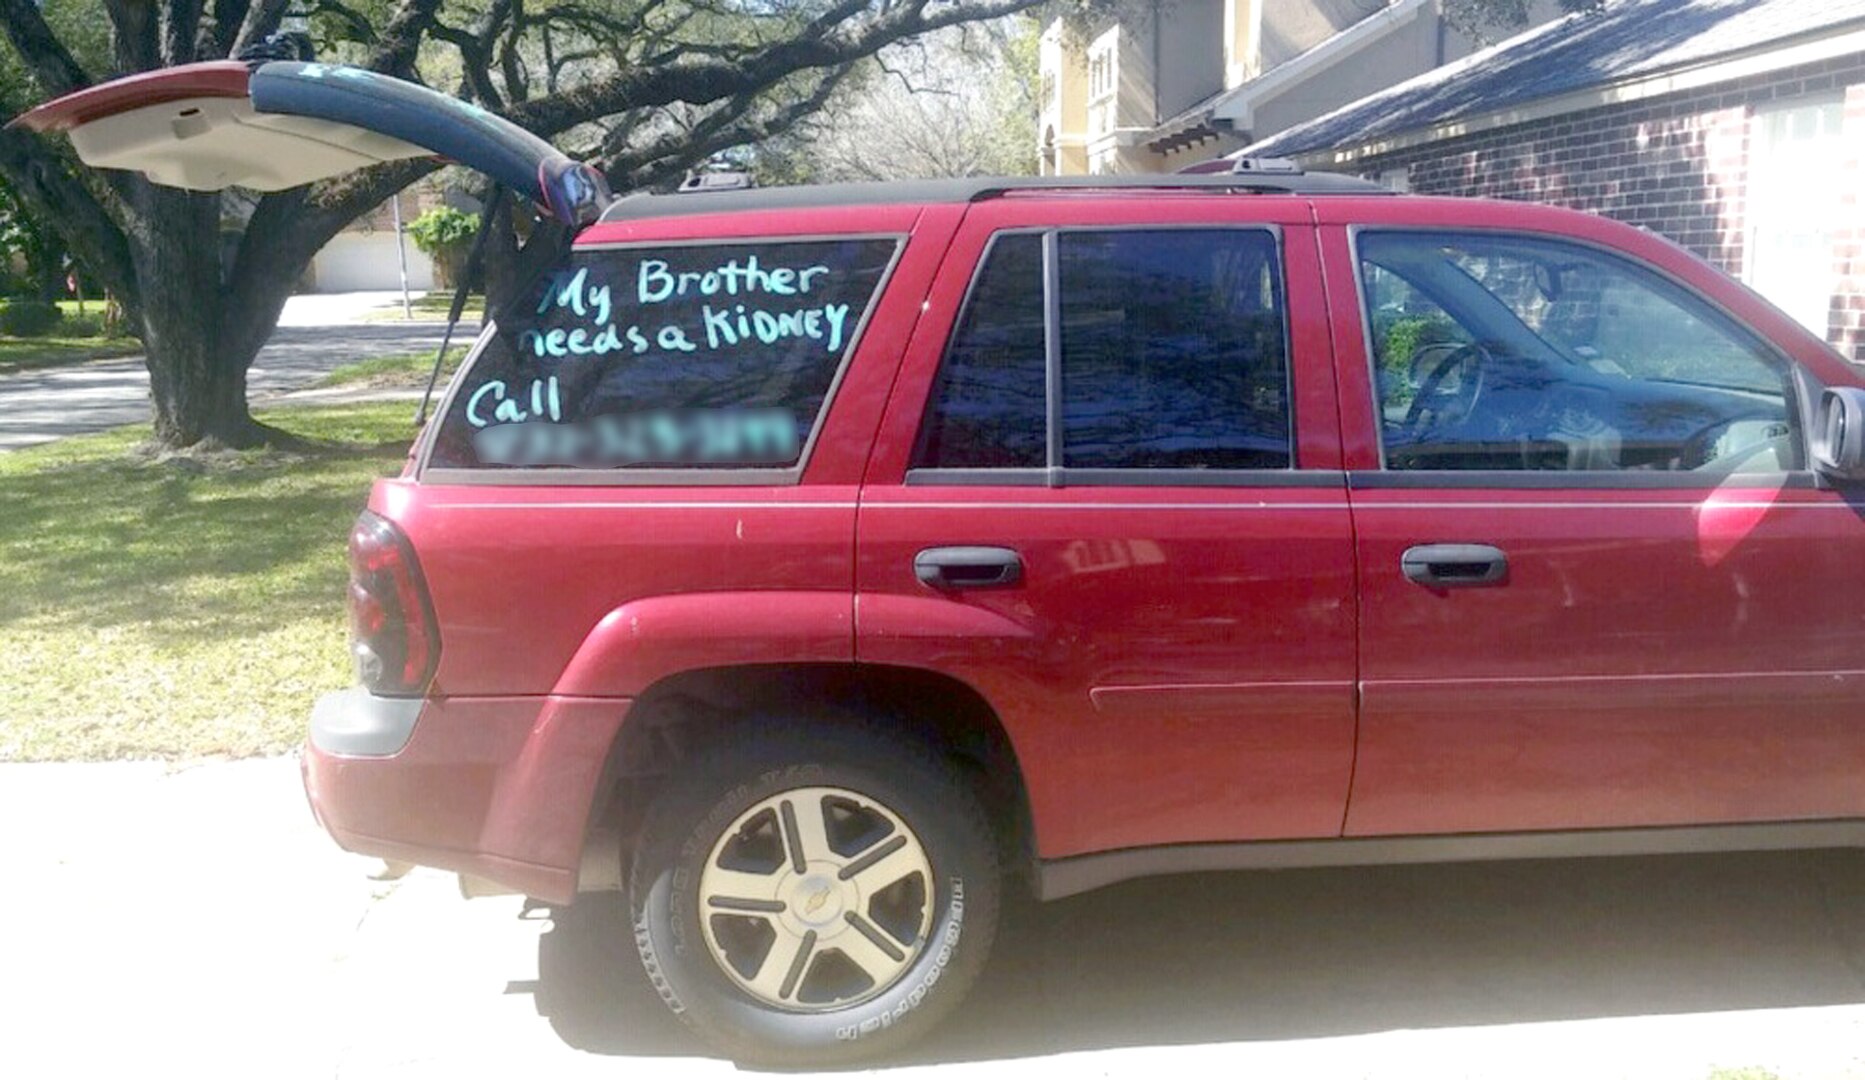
(1444, 566)
(968, 567)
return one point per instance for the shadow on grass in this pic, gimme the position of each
(32, 354)
(96, 535)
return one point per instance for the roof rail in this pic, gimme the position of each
(715, 180)
(1268, 181)
(1264, 165)
(1260, 181)
(1234, 165)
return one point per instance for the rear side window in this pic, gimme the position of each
(716, 356)
(1169, 348)
(1172, 351)
(988, 404)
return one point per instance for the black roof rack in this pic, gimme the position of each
(908, 192)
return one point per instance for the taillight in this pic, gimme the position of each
(392, 630)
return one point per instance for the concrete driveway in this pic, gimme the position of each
(39, 406)
(195, 922)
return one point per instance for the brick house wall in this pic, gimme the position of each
(1675, 164)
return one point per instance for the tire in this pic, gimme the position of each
(734, 975)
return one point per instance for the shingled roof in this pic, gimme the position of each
(1629, 40)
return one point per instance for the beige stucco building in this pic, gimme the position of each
(1183, 81)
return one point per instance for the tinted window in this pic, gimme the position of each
(1173, 352)
(1519, 353)
(691, 356)
(987, 407)
(1172, 349)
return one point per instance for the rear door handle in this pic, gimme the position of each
(968, 567)
(1446, 566)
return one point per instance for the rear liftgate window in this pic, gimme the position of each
(680, 357)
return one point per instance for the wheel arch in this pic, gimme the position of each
(681, 713)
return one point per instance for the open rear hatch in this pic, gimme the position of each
(274, 125)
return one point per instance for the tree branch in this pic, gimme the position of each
(710, 79)
(833, 18)
(730, 125)
(181, 24)
(219, 31)
(56, 197)
(261, 22)
(53, 67)
(906, 80)
(473, 64)
(511, 63)
(475, 47)
(134, 35)
(360, 29)
(400, 40)
(286, 230)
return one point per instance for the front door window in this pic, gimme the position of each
(1503, 353)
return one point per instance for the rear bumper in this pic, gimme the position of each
(357, 723)
(499, 788)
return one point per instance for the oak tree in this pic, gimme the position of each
(644, 89)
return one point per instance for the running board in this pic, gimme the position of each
(1057, 878)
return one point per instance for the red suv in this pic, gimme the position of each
(812, 562)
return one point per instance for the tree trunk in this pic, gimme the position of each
(499, 261)
(200, 400)
(197, 376)
(49, 283)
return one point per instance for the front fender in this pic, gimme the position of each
(645, 640)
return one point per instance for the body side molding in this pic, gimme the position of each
(1058, 878)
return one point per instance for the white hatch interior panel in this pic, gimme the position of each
(210, 143)
(283, 123)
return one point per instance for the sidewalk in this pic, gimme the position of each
(195, 920)
(341, 309)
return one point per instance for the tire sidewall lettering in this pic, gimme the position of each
(939, 960)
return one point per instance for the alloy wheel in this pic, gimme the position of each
(815, 899)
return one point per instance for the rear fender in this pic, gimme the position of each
(646, 640)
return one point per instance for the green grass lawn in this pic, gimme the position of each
(23, 354)
(408, 370)
(179, 608)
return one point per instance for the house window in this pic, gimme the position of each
(1795, 155)
(1103, 82)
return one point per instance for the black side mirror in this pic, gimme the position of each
(1838, 442)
